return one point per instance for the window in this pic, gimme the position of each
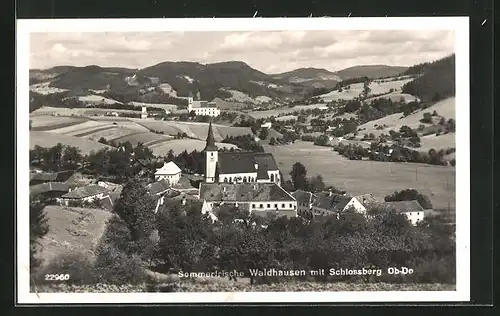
(211, 154)
(283, 205)
(272, 177)
(261, 206)
(225, 179)
(275, 205)
(244, 179)
(253, 205)
(268, 205)
(290, 205)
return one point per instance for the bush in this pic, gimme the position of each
(77, 264)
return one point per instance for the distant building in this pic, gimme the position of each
(170, 172)
(304, 203)
(43, 177)
(263, 199)
(266, 125)
(144, 113)
(50, 189)
(203, 108)
(334, 204)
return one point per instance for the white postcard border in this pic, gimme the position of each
(459, 24)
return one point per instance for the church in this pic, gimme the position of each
(238, 167)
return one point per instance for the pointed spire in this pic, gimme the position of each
(210, 139)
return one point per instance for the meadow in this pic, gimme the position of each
(360, 177)
(179, 145)
(72, 229)
(48, 139)
(283, 111)
(377, 87)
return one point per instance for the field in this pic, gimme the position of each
(445, 108)
(48, 139)
(49, 122)
(359, 177)
(169, 107)
(179, 145)
(377, 87)
(97, 99)
(143, 137)
(276, 112)
(193, 129)
(394, 97)
(47, 110)
(43, 88)
(72, 228)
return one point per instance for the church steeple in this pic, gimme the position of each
(210, 140)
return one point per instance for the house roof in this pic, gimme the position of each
(158, 186)
(243, 192)
(367, 199)
(203, 104)
(52, 176)
(49, 187)
(262, 174)
(303, 196)
(403, 206)
(169, 168)
(106, 203)
(82, 192)
(244, 162)
(334, 202)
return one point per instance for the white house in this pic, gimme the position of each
(238, 167)
(333, 204)
(88, 193)
(203, 108)
(266, 125)
(263, 199)
(170, 172)
(412, 209)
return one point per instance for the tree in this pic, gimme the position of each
(298, 175)
(39, 227)
(136, 207)
(317, 184)
(103, 140)
(272, 141)
(366, 88)
(71, 157)
(263, 133)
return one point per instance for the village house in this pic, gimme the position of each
(304, 203)
(144, 112)
(334, 204)
(88, 193)
(50, 189)
(43, 177)
(203, 108)
(170, 172)
(266, 125)
(263, 199)
(412, 209)
(238, 167)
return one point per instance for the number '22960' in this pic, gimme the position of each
(57, 277)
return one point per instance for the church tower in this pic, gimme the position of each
(211, 152)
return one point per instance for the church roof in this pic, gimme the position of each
(243, 192)
(244, 162)
(210, 139)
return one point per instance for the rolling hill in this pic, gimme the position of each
(370, 71)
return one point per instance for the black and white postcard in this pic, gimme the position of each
(249, 160)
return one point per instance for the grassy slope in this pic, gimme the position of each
(47, 139)
(72, 229)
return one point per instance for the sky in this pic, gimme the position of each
(270, 51)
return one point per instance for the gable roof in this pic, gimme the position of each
(52, 176)
(158, 187)
(243, 192)
(87, 191)
(368, 199)
(49, 187)
(403, 206)
(168, 168)
(303, 197)
(334, 202)
(203, 104)
(244, 162)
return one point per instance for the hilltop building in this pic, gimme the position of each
(203, 108)
(238, 167)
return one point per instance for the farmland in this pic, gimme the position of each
(47, 110)
(179, 145)
(359, 177)
(284, 111)
(48, 139)
(377, 87)
(72, 228)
